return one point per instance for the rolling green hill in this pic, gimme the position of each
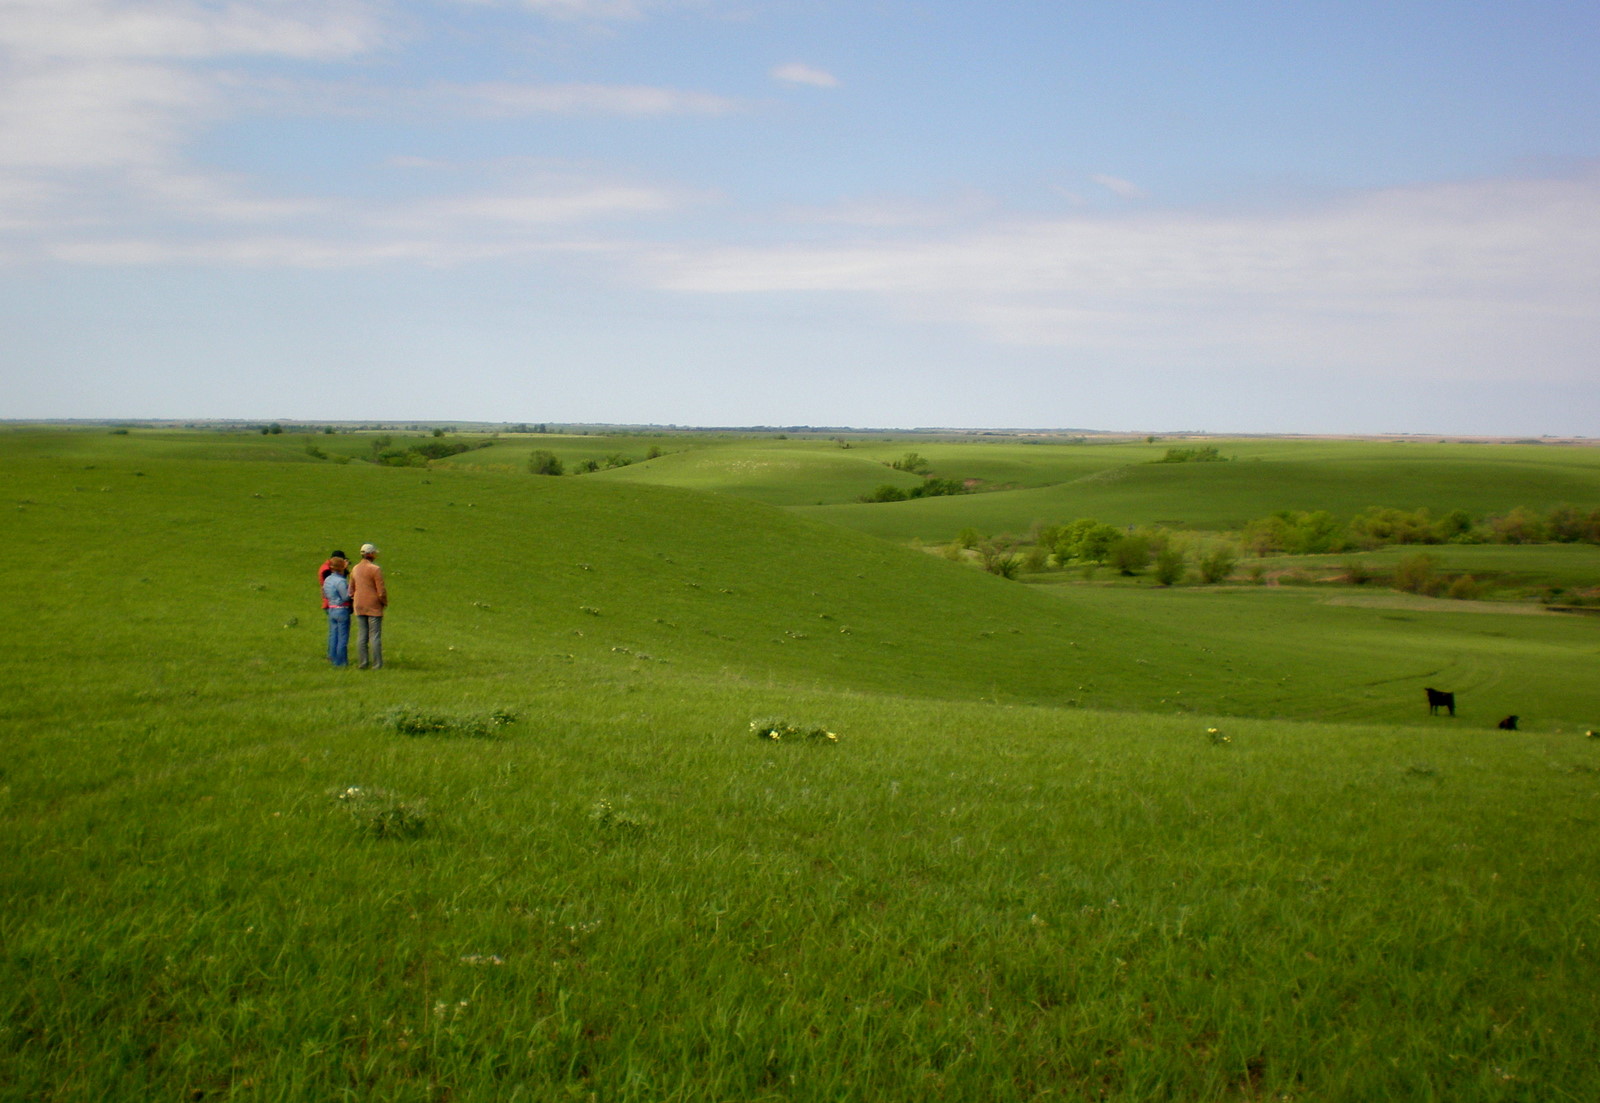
(491, 565)
(1070, 841)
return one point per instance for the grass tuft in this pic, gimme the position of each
(382, 813)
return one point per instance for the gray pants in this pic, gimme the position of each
(369, 628)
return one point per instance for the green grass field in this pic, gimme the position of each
(1074, 840)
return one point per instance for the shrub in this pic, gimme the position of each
(1130, 554)
(1520, 526)
(1217, 564)
(913, 463)
(1465, 588)
(938, 488)
(1169, 565)
(1417, 574)
(544, 462)
(1357, 573)
(998, 558)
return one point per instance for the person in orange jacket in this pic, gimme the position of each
(371, 598)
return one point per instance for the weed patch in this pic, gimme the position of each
(383, 814)
(784, 731)
(411, 720)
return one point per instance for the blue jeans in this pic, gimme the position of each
(339, 636)
(369, 632)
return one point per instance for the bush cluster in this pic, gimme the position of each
(1206, 454)
(928, 488)
(385, 452)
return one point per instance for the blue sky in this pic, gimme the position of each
(1235, 217)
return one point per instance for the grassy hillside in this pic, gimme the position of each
(1342, 477)
(1026, 868)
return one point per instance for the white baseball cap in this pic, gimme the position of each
(368, 549)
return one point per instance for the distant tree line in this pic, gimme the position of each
(1088, 544)
(1299, 532)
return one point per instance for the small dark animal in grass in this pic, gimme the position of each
(1439, 699)
(1509, 724)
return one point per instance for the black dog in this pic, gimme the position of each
(1439, 699)
(1509, 724)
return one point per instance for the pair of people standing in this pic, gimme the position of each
(358, 589)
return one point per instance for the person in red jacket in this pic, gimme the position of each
(371, 598)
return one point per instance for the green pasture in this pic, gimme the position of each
(1073, 841)
(1354, 653)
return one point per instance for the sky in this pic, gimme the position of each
(1295, 216)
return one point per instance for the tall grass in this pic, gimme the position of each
(979, 891)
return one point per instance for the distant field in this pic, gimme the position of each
(1082, 840)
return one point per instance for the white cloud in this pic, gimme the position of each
(887, 212)
(797, 73)
(1120, 187)
(99, 98)
(183, 29)
(546, 207)
(72, 116)
(1437, 280)
(587, 9)
(584, 99)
